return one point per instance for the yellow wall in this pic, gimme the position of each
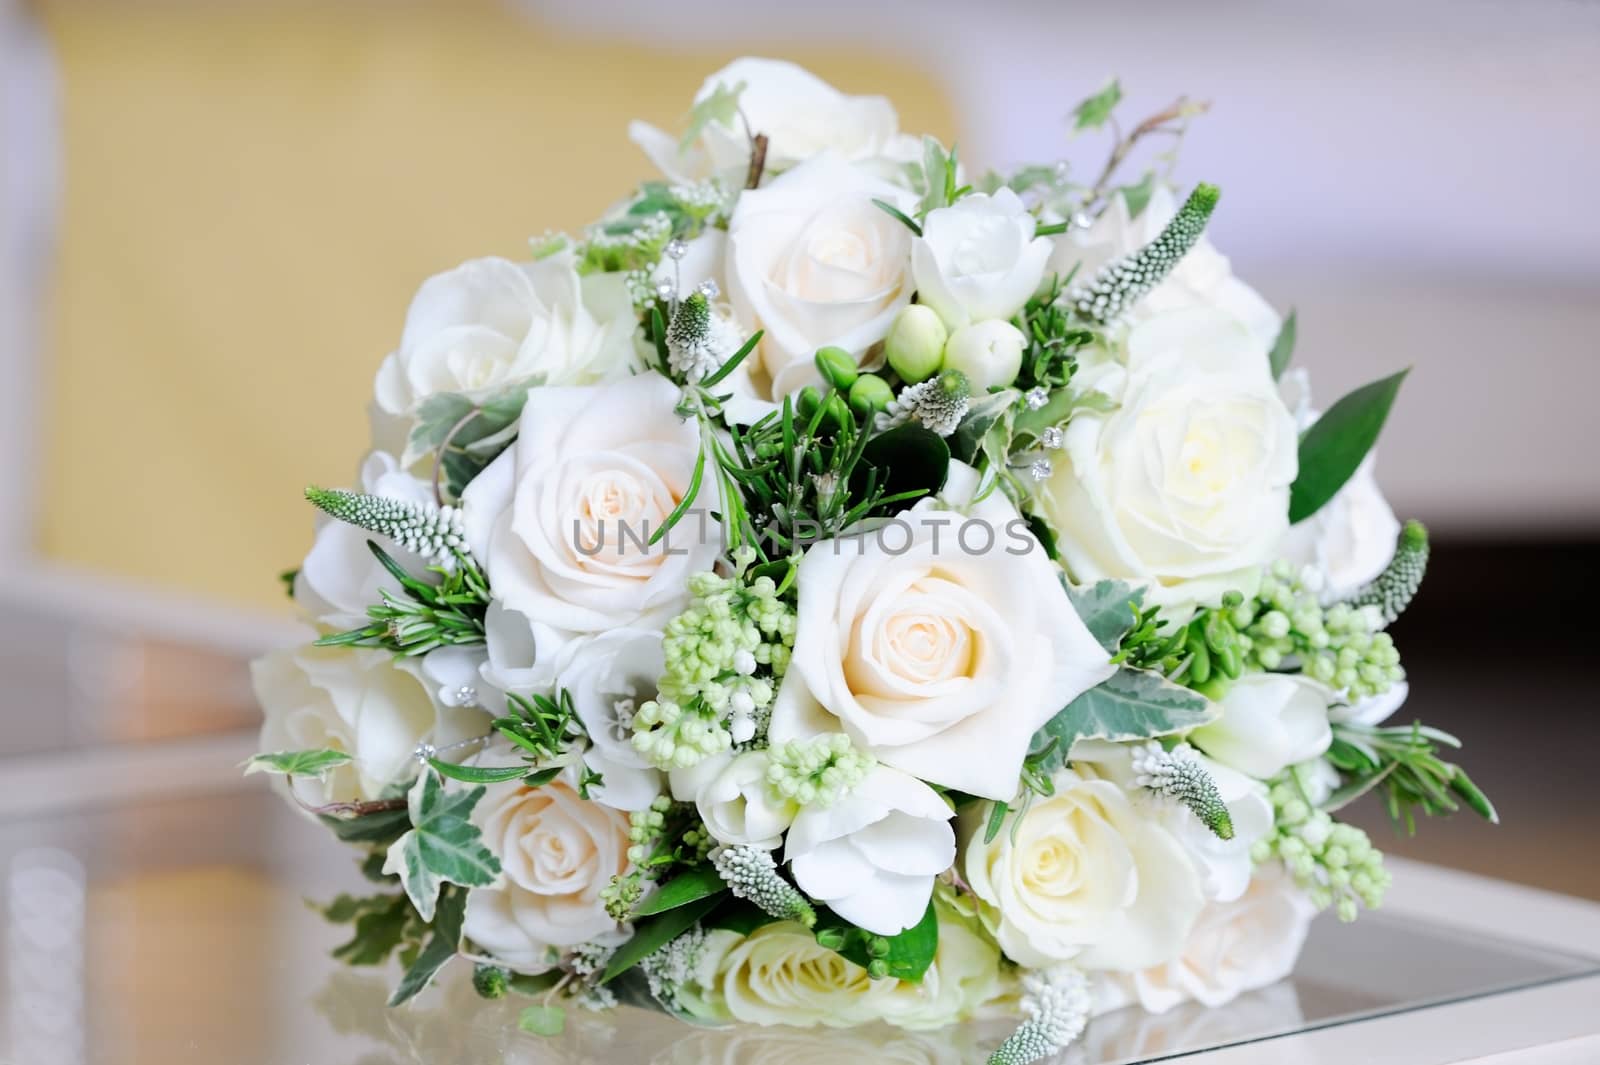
(252, 195)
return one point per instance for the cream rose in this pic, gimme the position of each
(731, 793)
(978, 258)
(800, 114)
(557, 852)
(1269, 722)
(1202, 279)
(813, 263)
(491, 323)
(1236, 946)
(1086, 878)
(939, 643)
(561, 520)
(367, 703)
(1184, 487)
(871, 857)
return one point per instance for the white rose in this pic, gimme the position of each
(963, 978)
(940, 643)
(780, 974)
(1202, 279)
(781, 1044)
(608, 676)
(1269, 722)
(340, 578)
(557, 852)
(491, 323)
(561, 519)
(1184, 487)
(871, 857)
(978, 258)
(800, 114)
(813, 263)
(365, 702)
(1236, 946)
(1084, 878)
(731, 793)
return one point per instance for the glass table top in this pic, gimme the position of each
(178, 931)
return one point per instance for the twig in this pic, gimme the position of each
(1181, 108)
(758, 160)
(352, 810)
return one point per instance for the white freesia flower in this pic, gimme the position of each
(520, 655)
(365, 702)
(562, 518)
(1184, 487)
(940, 643)
(608, 676)
(340, 578)
(557, 852)
(978, 258)
(1236, 946)
(731, 793)
(1269, 722)
(1374, 709)
(1351, 539)
(800, 114)
(1086, 878)
(1202, 279)
(491, 323)
(989, 353)
(813, 263)
(871, 857)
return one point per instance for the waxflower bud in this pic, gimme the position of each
(837, 367)
(915, 345)
(989, 353)
(870, 394)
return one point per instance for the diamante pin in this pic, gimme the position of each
(676, 249)
(1051, 437)
(1039, 469)
(1036, 398)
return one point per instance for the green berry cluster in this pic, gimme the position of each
(1334, 863)
(724, 656)
(1336, 645)
(660, 836)
(817, 771)
(631, 244)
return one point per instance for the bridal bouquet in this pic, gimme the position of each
(838, 588)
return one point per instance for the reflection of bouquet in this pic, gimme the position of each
(830, 592)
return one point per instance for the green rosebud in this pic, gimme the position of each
(870, 394)
(915, 345)
(489, 981)
(837, 367)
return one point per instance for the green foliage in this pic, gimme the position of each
(426, 615)
(1403, 765)
(1335, 864)
(1129, 705)
(1108, 609)
(693, 884)
(1334, 446)
(382, 924)
(440, 948)
(899, 215)
(542, 1020)
(905, 956)
(297, 763)
(939, 184)
(1055, 335)
(443, 845)
(377, 828)
(1282, 347)
(720, 107)
(1095, 111)
(1119, 285)
(1287, 624)
(1391, 591)
(541, 728)
(464, 434)
(1137, 196)
(653, 933)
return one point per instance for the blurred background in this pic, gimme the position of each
(213, 216)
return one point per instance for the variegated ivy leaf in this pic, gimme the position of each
(475, 430)
(1132, 704)
(1109, 609)
(720, 107)
(442, 846)
(1093, 112)
(297, 763)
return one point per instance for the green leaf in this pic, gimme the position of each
(1332, 448)
(895, 212)
(297, 763)
(382, 827)
(733, 360)
(653, 933)
(1093, 112)
(908, 458)
(938, 174)
(477, 774)
(1109, 609)
(440, 948)
(381, 922)
(738, 915)
(720, 106)
(909, 954)
(1131, 704)
(997, 817)
(983, 414)
(686, 887)
(475, 432)
(1137, 196)
(1282, 347)
(443, 846)
(543, 1020)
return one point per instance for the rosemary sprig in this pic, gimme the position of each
(426, 615)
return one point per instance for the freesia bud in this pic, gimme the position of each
(989, 353)
(915, 345)
(870, 394)
(837, 367)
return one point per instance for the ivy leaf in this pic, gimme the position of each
(475, 431)
(1334, 446)
(1137, 196)
(381, 828)
(983, 414)
(686, 887)
(1093, 112)
(1132, 704)
(443, 846)
(909, 954)
(938, 175)
(543, 1020)
(441, 948)
(297, 763)
(721, 107)
(653, 933)
(381, 925)
(1282, 347)
(1109, 609)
